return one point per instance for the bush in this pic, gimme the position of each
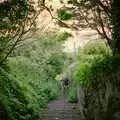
(72, 94)
(27, 73)
(18, 105)
(96, 48)
(64, 14)
(29, 83)
(103, 89)
(99, 77)
(98, 72)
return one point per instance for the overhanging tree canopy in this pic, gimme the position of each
(17, 17)
(103, 16)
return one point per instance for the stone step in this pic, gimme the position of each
(60, 113)
(64, 117)
(57, 114)
(61, 110)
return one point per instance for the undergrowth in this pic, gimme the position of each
(97, 72)
(29, 82)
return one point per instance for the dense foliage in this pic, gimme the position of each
(29, 83)
(102, 16)
(97, 73)
(64, 14)
(12, 12)
(28, 77)
(17, 18)
(17, 104)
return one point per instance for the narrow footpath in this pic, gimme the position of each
(60, 109)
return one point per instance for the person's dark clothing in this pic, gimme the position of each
(66, 81)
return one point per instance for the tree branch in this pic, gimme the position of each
(66, 25)
(20, 33)
(106, 10)
(103, 29)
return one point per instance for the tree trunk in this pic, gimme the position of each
(2, 114)
(115, 12)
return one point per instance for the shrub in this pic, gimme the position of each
(18, 105)
(64, 14)
(72, 94)
(96, 48)
(27, 73)
(103, 90)
(100, 79)
(29, 83)
(64, 36)
(98, 72)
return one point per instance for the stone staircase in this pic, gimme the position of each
(61, 110)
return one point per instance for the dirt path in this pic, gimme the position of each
(60, 109)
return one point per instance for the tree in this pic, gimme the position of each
(96, 14)
(102, 16)
(17, 18)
